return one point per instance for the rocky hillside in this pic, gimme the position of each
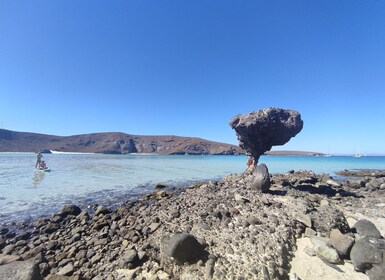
(112, 142)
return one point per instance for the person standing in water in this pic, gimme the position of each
(38, 160)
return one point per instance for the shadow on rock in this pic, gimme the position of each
(325, 190)
(278, 192)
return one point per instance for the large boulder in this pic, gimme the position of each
(183, 247)
(366, 252)
(366, 228)
(261, 178)
(20, 270)
(259, 131)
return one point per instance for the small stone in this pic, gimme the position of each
(135, 239)
(317, 241)
(142, 255)
(209, 271)
(328, 254)
(305, 219)
(333, 183)
(234, 211)
(96, 258)
(230, 250)
(153, 227)
(100, 224)
(102, 210)
(324, 202)
(9, 249)
(67, 270)
(183, 247)
(56, 218)
(241, 199)
(131, 256)
(341, 242)
(70, 210)
(83, 216)
(50, 228)
(252, 220)
(175, 213)
(310, 232)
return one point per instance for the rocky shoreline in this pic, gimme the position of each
(211, 230)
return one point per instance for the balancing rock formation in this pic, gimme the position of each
(259, 131)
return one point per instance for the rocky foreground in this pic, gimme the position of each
(211, 230)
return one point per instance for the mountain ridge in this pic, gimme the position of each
(112, 143)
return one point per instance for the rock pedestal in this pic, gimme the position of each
(261, 179)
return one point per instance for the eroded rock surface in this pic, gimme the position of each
(259, 131)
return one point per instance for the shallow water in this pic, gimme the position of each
(109, 179)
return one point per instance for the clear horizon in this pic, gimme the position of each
(186, 68)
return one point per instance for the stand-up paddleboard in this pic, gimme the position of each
(42, 169)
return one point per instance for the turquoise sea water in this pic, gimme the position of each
(85, 179)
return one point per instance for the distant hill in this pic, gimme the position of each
(112, 143)
(121, 143)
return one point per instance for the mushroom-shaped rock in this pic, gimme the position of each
(259, 131)
(183, 247)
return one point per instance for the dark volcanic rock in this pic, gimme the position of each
(364, 254)
(366, 228)
(327, 218)
(261, 180)
(70, 210)
(377, 272)
(183, 247)
(259, 131)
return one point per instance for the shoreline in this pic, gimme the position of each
(244, 232)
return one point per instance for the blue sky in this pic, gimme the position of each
(187, 67)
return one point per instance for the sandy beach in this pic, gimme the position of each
(239, 232)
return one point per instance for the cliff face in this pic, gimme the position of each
(112, 142)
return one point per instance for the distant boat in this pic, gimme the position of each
(328, 154)
(358, 154)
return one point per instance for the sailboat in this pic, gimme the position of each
(358, 154)
(328, 154)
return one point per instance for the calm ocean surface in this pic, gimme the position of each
(84, 179)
